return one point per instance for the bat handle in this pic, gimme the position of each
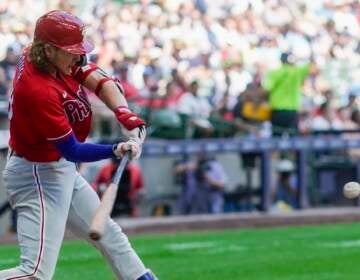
(120, 169)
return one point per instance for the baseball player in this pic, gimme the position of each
(50, 119)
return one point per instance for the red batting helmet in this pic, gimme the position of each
(63, 30)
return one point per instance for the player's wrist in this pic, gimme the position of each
(122, 109)
(116, 151)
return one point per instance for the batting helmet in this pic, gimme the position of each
(63, 30)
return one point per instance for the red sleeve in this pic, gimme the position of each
(51, 120)
(140, 182)
(81, 72)
(105, 174)
(137, 178)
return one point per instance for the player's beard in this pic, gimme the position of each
(65, 68)
(68, 70)
(64, 61)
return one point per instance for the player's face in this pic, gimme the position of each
(64, 60)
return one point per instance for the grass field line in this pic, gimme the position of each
(342, 244)
(190, 246)
(212, 247)
(218, 247)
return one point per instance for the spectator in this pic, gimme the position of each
(350, 106)
(251, 110)
(131, 92)
(129, 186)
(185, 176)
(203, 181)
(284, 86)
(7, 67)
(194, 105)
(326, 119)
(353, 124)
(286, 189)
(3, 85)
(197, 110)
(211, 178)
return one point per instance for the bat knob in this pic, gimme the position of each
(95, 236)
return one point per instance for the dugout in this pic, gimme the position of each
(304, 148)
(329, 173)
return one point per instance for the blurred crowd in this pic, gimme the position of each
(202, 67)
(211, 68)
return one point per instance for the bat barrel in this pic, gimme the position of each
(103, 212)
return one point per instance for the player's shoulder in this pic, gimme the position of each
(28, 74)
(41, 79)
(36, 86)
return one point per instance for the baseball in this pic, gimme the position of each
(351, 190)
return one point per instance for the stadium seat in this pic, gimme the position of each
(166, 123)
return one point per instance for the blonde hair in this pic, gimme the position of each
(38, 57)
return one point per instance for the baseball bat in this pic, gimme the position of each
(107, 202)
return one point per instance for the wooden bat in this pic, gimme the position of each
(99, 220)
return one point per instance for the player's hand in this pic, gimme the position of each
(132, 126)
(131, 146)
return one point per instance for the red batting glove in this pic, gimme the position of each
(128, 119)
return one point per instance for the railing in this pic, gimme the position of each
(302, 146)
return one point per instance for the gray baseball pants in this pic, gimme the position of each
(46, 197)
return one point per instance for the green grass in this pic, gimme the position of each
(330, 252)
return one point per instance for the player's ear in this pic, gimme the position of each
(49, 51)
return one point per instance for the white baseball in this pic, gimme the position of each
(351, 190)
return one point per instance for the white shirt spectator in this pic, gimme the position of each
(195, 106)
(320, 123)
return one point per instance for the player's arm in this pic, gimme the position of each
(73, 150)
(111, 93)
(56, 129)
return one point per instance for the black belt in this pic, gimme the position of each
(15, 154)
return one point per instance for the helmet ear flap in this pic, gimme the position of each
(82, 61)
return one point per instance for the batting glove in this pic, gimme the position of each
(131, 145)
(132, 126)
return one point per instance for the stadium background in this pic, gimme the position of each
(228, 47)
